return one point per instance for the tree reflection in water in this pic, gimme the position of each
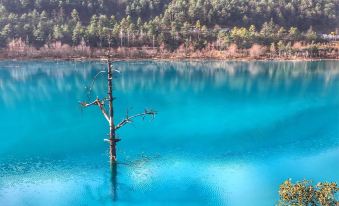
(71, 75)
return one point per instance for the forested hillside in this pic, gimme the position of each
(170, 23)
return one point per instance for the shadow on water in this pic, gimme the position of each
(117, 185)
(114, 183)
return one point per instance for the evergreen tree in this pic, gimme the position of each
(78, 33)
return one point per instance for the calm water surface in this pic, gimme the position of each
(227, 133)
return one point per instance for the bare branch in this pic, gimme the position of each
(100, 104)
(84, 104)
(92, 84)
(129, 119)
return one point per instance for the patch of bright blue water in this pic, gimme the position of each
(227, 133)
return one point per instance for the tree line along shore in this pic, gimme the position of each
(220, 29)
(17, 49)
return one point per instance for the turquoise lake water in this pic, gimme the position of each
(226, 133)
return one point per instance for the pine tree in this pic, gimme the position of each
(77, 33)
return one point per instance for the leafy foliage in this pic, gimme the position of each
(303, 193)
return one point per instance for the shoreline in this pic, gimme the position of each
(133, 53)
(249, 59)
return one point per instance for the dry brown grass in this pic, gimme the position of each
(257, 50)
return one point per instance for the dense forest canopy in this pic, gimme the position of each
(100, 23)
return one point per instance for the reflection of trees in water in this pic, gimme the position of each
(36, 81)
(234, 74)
(33, 79)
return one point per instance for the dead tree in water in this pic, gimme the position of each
(109, 115)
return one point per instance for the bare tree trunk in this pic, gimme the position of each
(112, 140)
(109, 115)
